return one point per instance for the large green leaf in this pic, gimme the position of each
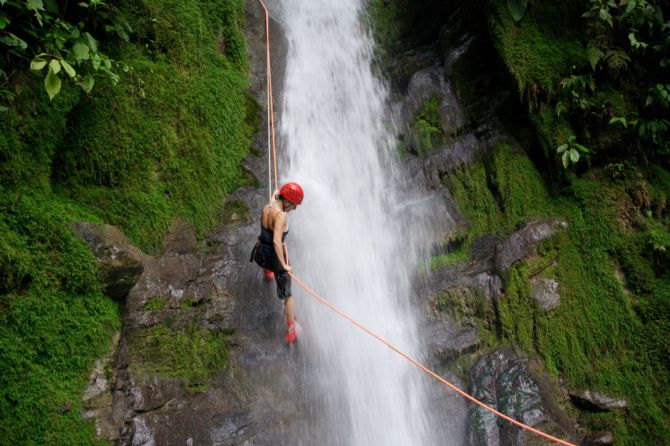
(52, 84)
(517, 8)
(13, 41)
(68, 68)
(87, 83)
(81, 51)
(54, 66)
(37, 64)
(36, 6)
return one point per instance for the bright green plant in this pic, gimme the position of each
(60, 39)
(571, 151)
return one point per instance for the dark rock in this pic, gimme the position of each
(447, 341)
(545, 293)
(483, 247)
(120, 264)
(462, 152)
(154, 393)
(522, 243)
(427, 84)
(502, 381)
(602, 438)
(591, 400)
(401, 69)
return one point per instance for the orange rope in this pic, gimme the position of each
(354, 321)
(424, 368)
(270, 99)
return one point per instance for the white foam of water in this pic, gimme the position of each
(349, 240)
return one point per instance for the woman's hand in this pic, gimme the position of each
(287, 268)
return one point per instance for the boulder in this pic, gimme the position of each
(503, 381)
(447, 341)
(602, 438)
(462, 151)
(523, 242)
(591, 400)
(545, 293)
(120, 264)
(429, 83)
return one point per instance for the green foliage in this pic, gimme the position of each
(60, 37)
(194, 354)
(602, 336)
(515, 319)
(571, 151)
(499, 193)
(137, 155)
(535, 50)
(611, 66)
(54, 322)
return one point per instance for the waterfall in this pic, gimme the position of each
(355, 239)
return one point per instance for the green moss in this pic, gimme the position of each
(516, 324)
(54, 322)
(427, 124)
(164, 144)
(186, 302)
(155, 303)
(601, 337)
(536, 51)
(194, 354)
(449, 259)
(499, 193)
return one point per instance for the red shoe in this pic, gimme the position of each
(269, 275)
(292, 333)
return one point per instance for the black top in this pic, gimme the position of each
(267, 236)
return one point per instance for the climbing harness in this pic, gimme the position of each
(318, 298)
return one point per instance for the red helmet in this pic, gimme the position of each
(292, 192)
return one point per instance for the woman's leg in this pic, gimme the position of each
(289, 309)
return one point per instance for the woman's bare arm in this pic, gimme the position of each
(277, 234)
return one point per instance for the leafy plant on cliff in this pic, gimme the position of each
(571, 151)
(117, 156)
(60, 39)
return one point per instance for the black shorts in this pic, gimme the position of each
(264, 255)
(283, 284)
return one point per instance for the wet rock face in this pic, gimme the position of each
(120, 264)
(428, 83)
(502, 381)
(448, 341)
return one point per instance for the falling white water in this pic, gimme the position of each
(354, 239)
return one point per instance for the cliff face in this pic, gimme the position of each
(161, 148)
(481, 94)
